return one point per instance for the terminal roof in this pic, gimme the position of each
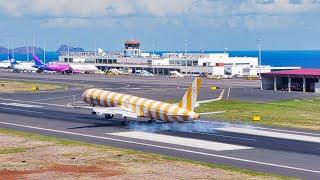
(307, 73)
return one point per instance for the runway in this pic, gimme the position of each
(281, 151)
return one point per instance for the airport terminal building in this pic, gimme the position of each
(191, 64)
(304, 80)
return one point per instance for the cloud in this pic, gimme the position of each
(232, 13)
(295, 1)
(66, 22)
(265, 1)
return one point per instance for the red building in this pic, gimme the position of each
(305, 80)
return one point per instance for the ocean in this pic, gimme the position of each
(303, 58)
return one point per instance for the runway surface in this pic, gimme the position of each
(286, 152)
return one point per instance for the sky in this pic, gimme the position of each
(168, 24)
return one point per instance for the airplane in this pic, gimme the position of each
(20, 67)
(5, 64)
(62, 68)
(107, 104)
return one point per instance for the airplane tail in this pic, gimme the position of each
(36, 60)
(189, 99)
(12, 60)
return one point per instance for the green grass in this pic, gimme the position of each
(12, 150)
(126, 152)
(304, 114)
(26, 86)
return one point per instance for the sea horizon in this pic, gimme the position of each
(301, 58)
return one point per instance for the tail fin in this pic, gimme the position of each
(36, 60)
(190, 97)
(12, 60)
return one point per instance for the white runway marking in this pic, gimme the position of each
(168, 148)
(202, 144)
(59, 97)
(231, 137)
(228, 93)
(280, 135)
(21, 101)
(20, 105)
(263, 128)
(22, 110)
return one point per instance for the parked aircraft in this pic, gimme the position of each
(108, 104)
(62, 68)
(84, 68)
(146, 73)
(5, 64)
(176, 74)
(20, 67)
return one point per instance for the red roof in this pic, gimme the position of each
(132, 42)
(308, 73)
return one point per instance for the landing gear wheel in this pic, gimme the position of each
(108, 116)
(125, 122)
(150, 121)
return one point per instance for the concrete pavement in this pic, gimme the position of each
(281, 151)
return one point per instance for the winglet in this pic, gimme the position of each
(190, 97)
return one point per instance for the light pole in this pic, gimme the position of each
(68, 49)
(32, 43)
(27, 51)
(44, 52)
(186, 53)
(9, 41)
(259, 41)
(95, 47)
(185, 47)
(153, 48)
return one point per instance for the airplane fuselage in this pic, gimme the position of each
(143, 107)
(58, 67)
(24, 67)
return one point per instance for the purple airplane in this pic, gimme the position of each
(62, 68)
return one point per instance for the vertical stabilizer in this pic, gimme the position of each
(36, 60)
(12, 60)
(190, 97)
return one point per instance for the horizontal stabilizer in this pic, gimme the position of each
(208, 113)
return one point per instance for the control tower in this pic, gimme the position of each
(132, 48)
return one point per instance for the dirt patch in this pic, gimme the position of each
(51, 158)
(60, 169)
(9, 174)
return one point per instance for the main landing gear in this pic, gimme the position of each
(125, 122)
(108, 116)
(150, 121)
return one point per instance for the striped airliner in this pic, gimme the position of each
(146, 108)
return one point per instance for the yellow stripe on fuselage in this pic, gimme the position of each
(166, 111)
(175, 112)
(149, 108)
(99, 98)
(189, 99)
(142, 107)
(134, 104)
(120, 99)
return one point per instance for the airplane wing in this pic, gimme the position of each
(115, 111)
(109, 110)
